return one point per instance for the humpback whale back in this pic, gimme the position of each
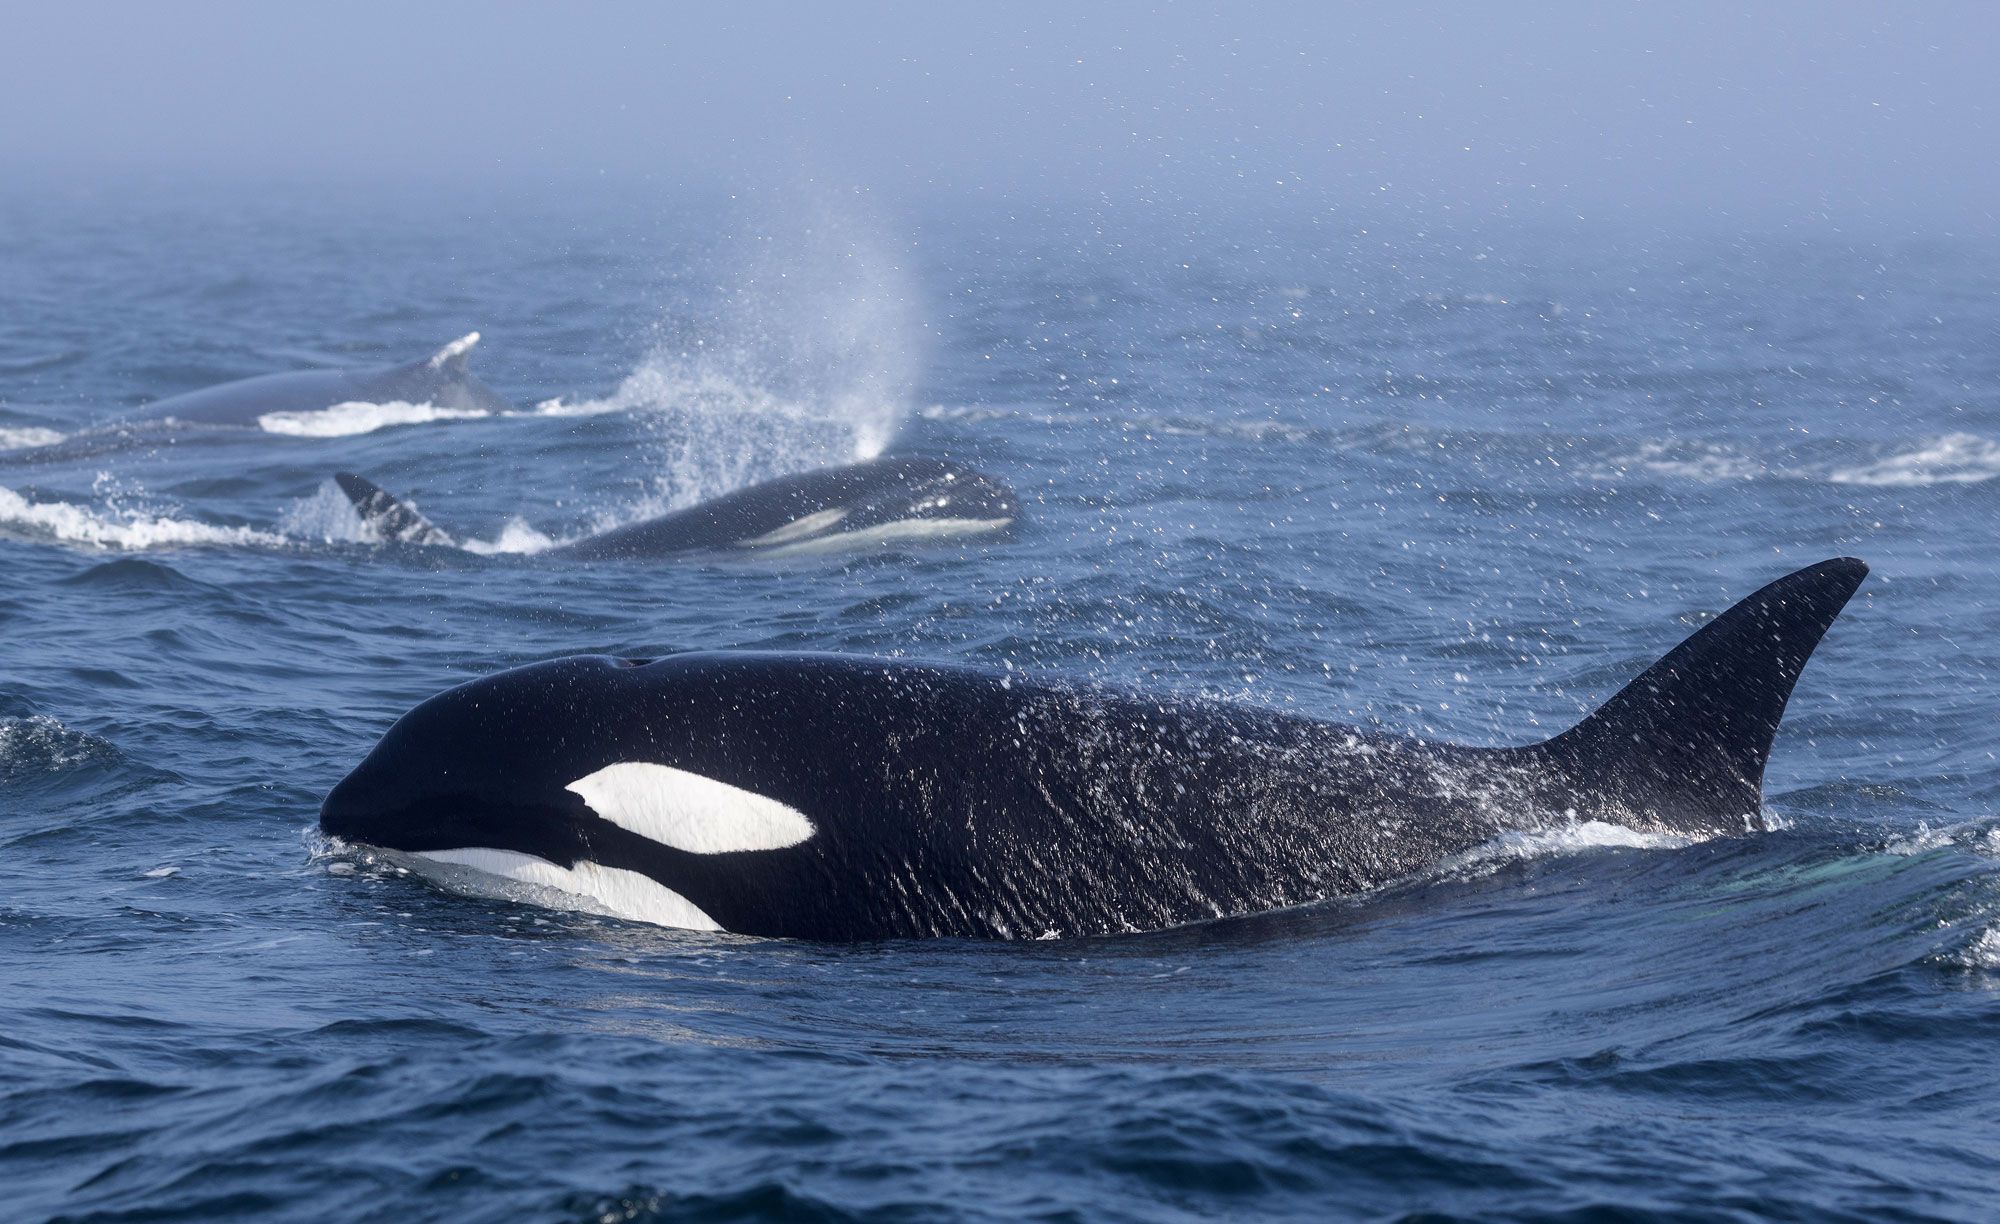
(441, 381)
(859, 504)
(1688, 740)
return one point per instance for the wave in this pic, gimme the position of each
(132, 574)
(1979, 948)
(119, 528)
(39, 745)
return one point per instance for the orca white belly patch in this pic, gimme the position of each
(612, 890)
(688, 811)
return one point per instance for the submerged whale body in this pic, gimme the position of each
(440, 381)
(861, 503)
(835, 798)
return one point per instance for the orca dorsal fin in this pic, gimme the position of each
(1685, 744)
(453, 356)
(392, 521)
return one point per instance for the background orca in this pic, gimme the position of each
(858, 504)
(836, 798)
(440, 380)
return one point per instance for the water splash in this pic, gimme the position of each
(807, 358)
(326, 516)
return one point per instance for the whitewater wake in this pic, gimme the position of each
(119, 528)
(1955, 458)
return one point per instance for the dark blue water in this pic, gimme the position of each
(1457, 484)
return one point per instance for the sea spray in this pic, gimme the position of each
(806, 357)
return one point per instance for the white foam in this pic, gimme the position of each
(117, 528)
(345, 420)
(20, 437)
(1958, 458)
(688, 811)
(1516, 845)
(518, 537)
(590, 887)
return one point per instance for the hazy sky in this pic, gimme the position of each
(1781, 110)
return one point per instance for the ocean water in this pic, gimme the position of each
(1461, 484)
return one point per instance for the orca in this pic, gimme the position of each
(826, 797)
(282, 403)
(862, 503)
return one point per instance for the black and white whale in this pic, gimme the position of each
(296, 402)
(860, 504)
(836, 798)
